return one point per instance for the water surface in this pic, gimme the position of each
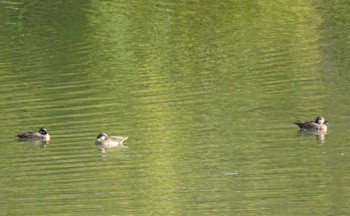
(206, 92)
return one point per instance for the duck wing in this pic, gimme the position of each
(31, 134)
(305, 124)
(118, 138)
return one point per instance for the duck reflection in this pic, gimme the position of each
(104, 149)
(40, 143)
(320, 135)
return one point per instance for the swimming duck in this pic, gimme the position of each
(110, 141)
(320, 124)
(40, 134)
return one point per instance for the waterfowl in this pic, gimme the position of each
(40, 134)
(110, 141)
(320, 124)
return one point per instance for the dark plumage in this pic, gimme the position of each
(320, 124)
(40, 134)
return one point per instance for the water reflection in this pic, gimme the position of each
(320, 135)
(41, 143)
(103, 148)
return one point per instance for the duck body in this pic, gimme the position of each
(110, 141)
(319, 125)
(40, 134)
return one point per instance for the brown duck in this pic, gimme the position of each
(40, 134)
(320, 124)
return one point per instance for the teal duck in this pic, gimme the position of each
(110, 141)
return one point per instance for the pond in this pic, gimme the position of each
(207, 93)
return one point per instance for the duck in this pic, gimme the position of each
(319, 125)
(40, 134)
(110, 141)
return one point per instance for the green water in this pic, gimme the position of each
(206, 92)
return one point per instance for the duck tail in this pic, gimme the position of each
(299, 123)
